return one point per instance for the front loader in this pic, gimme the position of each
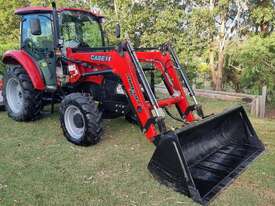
(64, 58)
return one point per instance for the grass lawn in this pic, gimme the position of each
(39, 167)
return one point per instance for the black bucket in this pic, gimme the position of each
(203, 158)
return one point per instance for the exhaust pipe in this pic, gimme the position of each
(202, 159)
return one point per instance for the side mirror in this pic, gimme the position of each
(35, 26)
(118, 31)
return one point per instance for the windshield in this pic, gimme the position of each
(80, 30)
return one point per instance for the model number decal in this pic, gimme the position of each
(101, 58)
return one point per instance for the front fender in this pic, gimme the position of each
(26, 61)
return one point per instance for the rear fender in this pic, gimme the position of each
(25, 60)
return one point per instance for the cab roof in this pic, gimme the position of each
(40, 9)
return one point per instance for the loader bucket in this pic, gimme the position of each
(203, 158)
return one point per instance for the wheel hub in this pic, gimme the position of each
(74, 122)
(78, 121)
(14, 95)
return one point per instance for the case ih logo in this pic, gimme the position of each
(101, 58)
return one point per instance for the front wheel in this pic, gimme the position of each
(80, 119)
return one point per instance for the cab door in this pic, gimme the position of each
(37, 40)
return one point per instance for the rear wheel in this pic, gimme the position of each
(22, 101)
(80, 120)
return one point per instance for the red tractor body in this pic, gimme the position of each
(64, 58)
(23, 58)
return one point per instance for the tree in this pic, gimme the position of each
(263, 16)
(255, 59)
(9, 30)
(227, 16)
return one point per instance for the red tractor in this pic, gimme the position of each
(64, 58)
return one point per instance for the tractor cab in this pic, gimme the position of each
(77, 29)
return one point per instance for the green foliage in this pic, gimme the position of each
(263, 15)
(3, 49)
(195, 40)
(255, 58)
(192, 27)
(9, 22)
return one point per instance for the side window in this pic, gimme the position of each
(35, 44)
(80, 30)
(92, 34)
(69, 34)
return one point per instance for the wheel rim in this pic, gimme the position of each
(74, 122)
(14, 94)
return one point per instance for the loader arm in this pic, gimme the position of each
(163, 63)
(126, 65)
